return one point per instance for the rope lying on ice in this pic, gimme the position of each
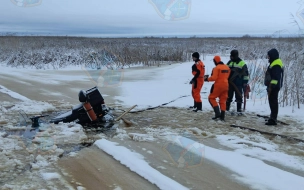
(151, 108)
(268, 133)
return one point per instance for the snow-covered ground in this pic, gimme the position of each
(256, 161)
(173, 81)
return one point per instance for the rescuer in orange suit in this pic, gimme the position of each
(219, 89)
(198, 70)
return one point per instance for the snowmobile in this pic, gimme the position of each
(91, 110)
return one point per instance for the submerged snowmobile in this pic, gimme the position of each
(92, 109)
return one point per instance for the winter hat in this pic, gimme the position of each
(196, 55)
(217, 59)
(234, 53)
(273, 55)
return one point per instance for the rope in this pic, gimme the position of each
(151, 108)
(268, 133)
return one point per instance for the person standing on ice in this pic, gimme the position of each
(274, 82)
(238, 80)
(198, 71)
(219, 89)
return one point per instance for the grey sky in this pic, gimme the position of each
(141, 18)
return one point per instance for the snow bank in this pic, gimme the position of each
(136, 163)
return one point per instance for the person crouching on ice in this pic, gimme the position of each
(219, 89)
(198, 70)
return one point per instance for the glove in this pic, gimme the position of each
(206, 78)
(273, 86)
(268, 89)
(192, 81)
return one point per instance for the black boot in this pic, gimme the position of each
(271, 121)
(222, 116)
(198, 106)
(217, 112)
(239, 107)
(194, 106)
(228, 106)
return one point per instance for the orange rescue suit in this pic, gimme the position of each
(219, 89)
(198, 70)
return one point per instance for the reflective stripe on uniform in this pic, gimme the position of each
(274, 63)
(238, 65)
(277, 62)
(273, 82)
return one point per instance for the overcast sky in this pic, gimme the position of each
(145, 18)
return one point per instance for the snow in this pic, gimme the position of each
(121, 134)
(263, 150)
(41, 162)
(2, 134)
(33, 107)
(141, 137)
(251, 171)
(49, 176)
(161, 167)
(72, 154)
(118, 188)
(137, 164)
(27, 105)
(68, 133)
(169, 82)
